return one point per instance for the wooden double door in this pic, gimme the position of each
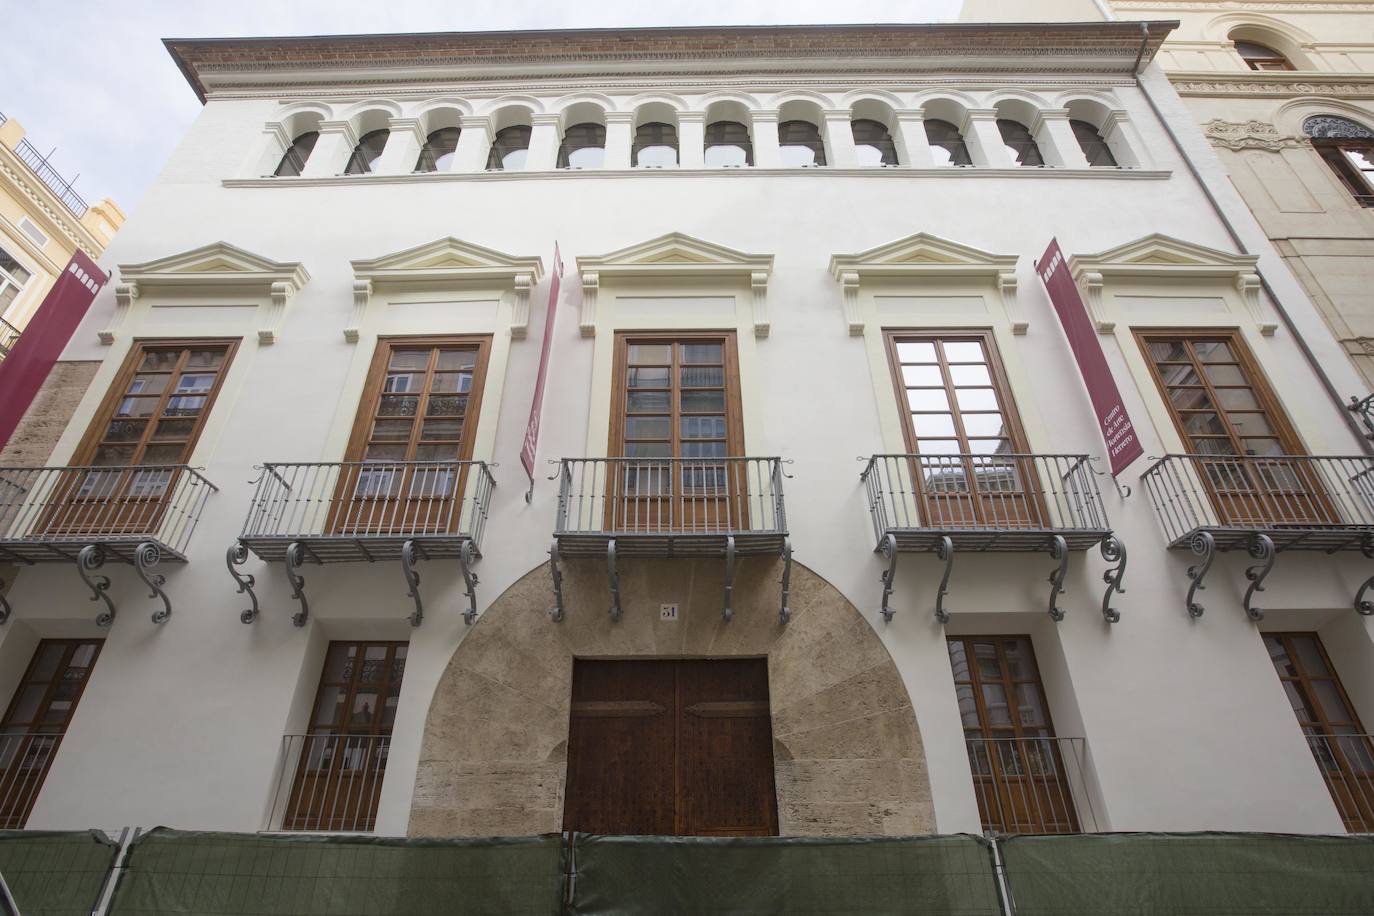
(671, 747)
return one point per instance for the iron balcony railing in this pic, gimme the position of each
(367, 509)
(51, 177)
(681, 500)
(1032, 784)
(1299, 501)
(49, 513)
(329, 782)
(24, 762)
(9, 335)
(1009, 501)
(1347, 765)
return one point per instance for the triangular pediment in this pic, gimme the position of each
(923, 253)
(1161, 255)
(676, 253)
(446, 259)
(216, 263)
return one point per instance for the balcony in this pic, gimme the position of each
(1032, 784)
(9, 336)
(52, 178)
(1024, 503)
(329, 782)
(670, 507)
(1263, 505)
(364, 511)
(1347, 764)
(24, 761)
(86, 515)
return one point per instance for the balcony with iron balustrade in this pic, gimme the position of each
(1264, 505)
(609, 508)
(1015, 502)
(365, 511)
(139, 515)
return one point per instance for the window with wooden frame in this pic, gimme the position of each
(676, 419)
(1342, 749)
(149, 422)
(1018, 770)
(36, 720)
(1261, 57)
(970, 467)
(1231, 421)
(338, 778)
(415, 427)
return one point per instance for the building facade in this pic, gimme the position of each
(821, 537)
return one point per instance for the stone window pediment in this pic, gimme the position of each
(676, 257)
(1167, 260)
(930, 258)
(215, 270)
(447, 263)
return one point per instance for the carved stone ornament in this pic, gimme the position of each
(1248, 135)
(1271, 88)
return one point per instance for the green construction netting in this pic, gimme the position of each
(1193, 874)
(55, 874)
(226, 874)
(793, 875)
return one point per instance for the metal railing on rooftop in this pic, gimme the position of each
(51, 177)
(24, 762)
(1007, 501)
(329, 782)
(48, 513)
(368, 506)
(1032, 784)
(1301, 502)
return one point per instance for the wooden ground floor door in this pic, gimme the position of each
(675, 747)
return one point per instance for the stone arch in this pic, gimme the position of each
(847, 750)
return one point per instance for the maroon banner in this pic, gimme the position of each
(1117, 432)
(44, 338)
(531, 444)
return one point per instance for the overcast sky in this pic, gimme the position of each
(91, 79)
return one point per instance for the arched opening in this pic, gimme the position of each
(871, 122)
(584, 137)
(1087, 118)
(800, 144)
(297, 154)
(1263, 48)
(511, 142)
(947, 145)
(1348, 148)
(369, 149)
(1262, 57)
(442, 130)
(655, 140)
(1021, 146)
(727, 142)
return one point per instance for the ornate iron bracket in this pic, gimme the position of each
(91, 558)
(1362, 604)
(1059, 550)
(469, 582)
(888, 546)
(296, 553)
(945, 551)
(727, 611)
(613, 577)
(147, 556)
(1113, 551)
(408, 551)
(237, 555)
(1261, 548)
(1204, 546)
(785, 614)
(557, 612)
(6, 610)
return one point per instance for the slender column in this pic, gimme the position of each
(275, 144)
(763, 129)
(839, 140)
(1057, 143)
(474, 144)
(691, 139)
(985, 146)
(544, 140)
(619, 139)
(913, 146)
(402, 147)
(1124, 141)
(332, 149)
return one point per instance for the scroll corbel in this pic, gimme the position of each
(362, 296)
(237, 555)
(125, 295)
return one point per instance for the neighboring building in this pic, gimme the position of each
(43, 220)
(318, 352)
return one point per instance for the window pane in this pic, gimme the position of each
(702, 353)
(915, 351)
(984, 424)
(441, 429)
(409, 359)
(922, 375)
(703, 401)
(1020, 660)
(1310, 656)
(159, 360)
(204, 359)
(959, 351)
(398, 406)
(927, 399)
(650, 354)
(446, 406)
(976, 398)
(702, 427)
(1328, 697)
(933, 424)
(648, 427)
(995, 699)
(125, 431)
(648, 449)
(970, 375)
(648, 402)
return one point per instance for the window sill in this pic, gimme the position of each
(810, 173)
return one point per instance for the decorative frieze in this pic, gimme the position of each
(1248, 135)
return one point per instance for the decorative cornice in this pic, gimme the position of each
(1212, 6)
(1248, 135)
(42, 198)
(1278, 85)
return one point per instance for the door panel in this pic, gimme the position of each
(671, 747)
